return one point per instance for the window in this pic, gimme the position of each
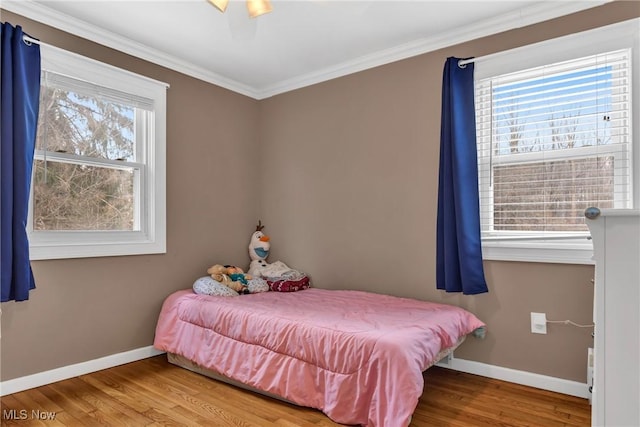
(98, 185)
(554, 131)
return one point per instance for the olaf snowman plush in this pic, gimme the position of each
(259, 268)
(259, 244)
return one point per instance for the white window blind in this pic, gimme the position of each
(552, 141)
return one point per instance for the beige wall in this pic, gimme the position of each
(350, 175)
(84, 309)
(346, 185)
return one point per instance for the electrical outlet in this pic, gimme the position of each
(538, 323)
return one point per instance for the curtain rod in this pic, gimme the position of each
(29, 40)
(463, 62)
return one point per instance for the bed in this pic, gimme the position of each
(356, 356)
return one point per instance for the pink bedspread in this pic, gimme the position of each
(356, 356)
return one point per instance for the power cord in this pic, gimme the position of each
(569, 322)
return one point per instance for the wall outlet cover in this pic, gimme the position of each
(538, 323)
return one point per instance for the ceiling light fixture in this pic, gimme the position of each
(254, 7)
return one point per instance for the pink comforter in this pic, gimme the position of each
(356, 356)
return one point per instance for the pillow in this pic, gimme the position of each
(207, 286)
(257, 285)
(285, 285)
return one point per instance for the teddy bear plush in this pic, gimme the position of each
(220, 274)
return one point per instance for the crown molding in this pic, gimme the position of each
(523, 17)
(77, 27)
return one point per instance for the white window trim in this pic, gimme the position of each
(609, 38)
(151, 237)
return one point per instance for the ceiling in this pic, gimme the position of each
(301, 42)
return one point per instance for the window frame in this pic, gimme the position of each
(624, 35)
(149, 235)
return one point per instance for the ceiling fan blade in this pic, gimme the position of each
(256, 8)
(221, 5)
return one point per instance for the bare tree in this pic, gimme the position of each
(70, 195)
(550, 195)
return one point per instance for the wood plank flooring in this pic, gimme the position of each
(152, 392)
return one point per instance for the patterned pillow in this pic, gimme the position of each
(207, 286)
(285, 285)
(257, 285)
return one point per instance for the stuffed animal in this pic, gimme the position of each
(257, 266)
(259, 244)
(237, 274)
(220, 274)
(278, 269)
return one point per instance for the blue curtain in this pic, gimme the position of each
(19, 95)
(459, 251)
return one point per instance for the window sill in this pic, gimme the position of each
(527, 252)
(111, 244)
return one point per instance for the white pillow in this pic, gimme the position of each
(207, 286)
(257, 285)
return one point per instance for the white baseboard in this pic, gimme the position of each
(559, 385)
(544, 382)
(66, 372)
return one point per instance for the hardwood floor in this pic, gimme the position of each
(153, 392)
